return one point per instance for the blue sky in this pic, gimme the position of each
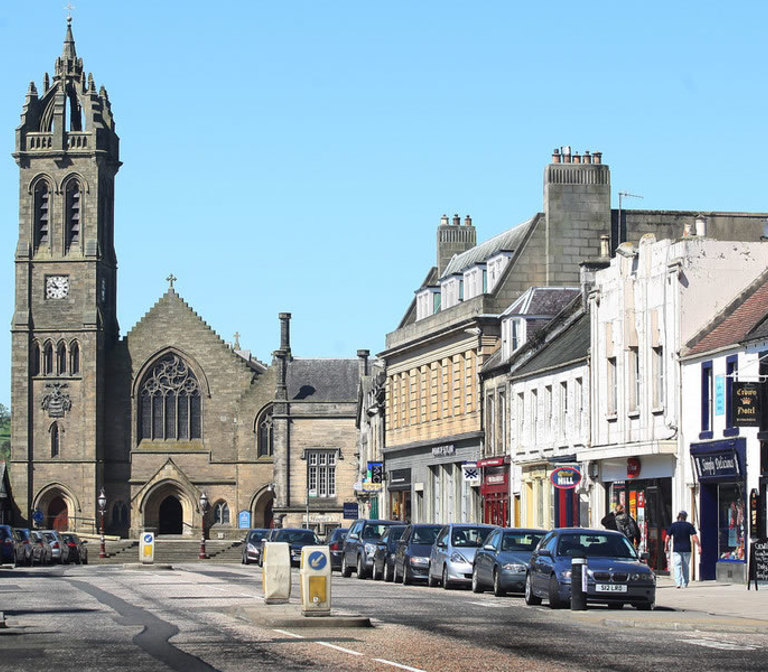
(297, 156)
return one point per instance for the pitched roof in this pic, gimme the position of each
(322, 379)
(509, 240)
(744, 318)
(542, 301)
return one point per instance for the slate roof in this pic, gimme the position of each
(509, 241)
(542, 301)
(571, 345)
(743, 319)
(322, 379)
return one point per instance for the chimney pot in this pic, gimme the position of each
(604, 246)
(587, 157)
(444, 220)
(597, 157)
(467, 221)
(456, 220)
(556, 156)
(576, 158)
(285, 331)
(701, 226)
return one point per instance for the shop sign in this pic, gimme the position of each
(366, 486)
(746, 404)
(717, 465)
(633, 467)
(443, 451)
(471, 473)
(758, 562)
(491, 462)
(350, 510)
(399, 479)
(495, 475)
(754, 513)
(565, 477)
(376, 472)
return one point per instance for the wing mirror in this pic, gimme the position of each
(545, 552)
(489, 547)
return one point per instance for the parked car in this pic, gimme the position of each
(413, 551)
(42, 555)
(78, 552)
(7, 545)
(360, 545)
(615, 574)
(295, 537)
(452, 555)
(252, 545)
(336, 546)
(59, 550)
(384, 555)
(24, 547)
(502, 562)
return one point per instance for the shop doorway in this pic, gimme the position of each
(170, 516)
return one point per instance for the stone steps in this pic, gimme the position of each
(167, 551)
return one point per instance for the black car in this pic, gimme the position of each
(295, 537)
(360, 545)
(384, 556)
(78, 552)
(413, 550)
(336, 546)
(252, 545)
(24, 547)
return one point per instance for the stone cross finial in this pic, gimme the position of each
(237, 340)
(69, 7)
(171, 279)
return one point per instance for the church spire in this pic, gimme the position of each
(69, 53)
(68, 64)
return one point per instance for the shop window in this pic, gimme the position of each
(706, 400)
(732, 524)
(731, 374)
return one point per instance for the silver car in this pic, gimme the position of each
(59, 548)
(450, 562)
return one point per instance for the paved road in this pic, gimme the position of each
(191, 618)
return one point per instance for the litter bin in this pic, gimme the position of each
(315, 581)
(276, 572)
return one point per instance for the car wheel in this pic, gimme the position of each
(530, 599)
(375, 572)
(407, 579)
(645, 606)
(85, 560)
(476, 587)
(387, 572)
(431, 581)
(554, 596)
(346, 570)
(498, 591)
(396, 575)
(447, 585)
(360, 567)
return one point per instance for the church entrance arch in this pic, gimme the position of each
(59, 508)
(170, 516)
(58, 514)
(261, 509)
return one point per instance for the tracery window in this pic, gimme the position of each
(264, 439)
(42, 213)
(61, 359)
(34, 360)
(170, 404)
(55, 440)
(48, 359)
(221, 513)
(73, 214)
(74, 358)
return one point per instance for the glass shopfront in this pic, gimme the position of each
(494, 490)
(399, 487)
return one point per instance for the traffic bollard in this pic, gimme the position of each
(578, 584)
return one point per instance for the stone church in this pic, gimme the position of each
(169, 411)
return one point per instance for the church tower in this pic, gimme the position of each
(65, 318)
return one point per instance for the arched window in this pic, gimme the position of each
(73, 214)
(34, 360)
(120, 514)
(221, 513)
(48, 359)
(55, 440)
(61, 359)
(264, 433)
(170, 403)
(42, 213)
(74, 358)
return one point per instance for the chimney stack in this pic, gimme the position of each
(285, 332)
(363, 362)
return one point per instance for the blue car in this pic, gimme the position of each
(7, 545)
(615, 573)
(502, 562)
(413, 551)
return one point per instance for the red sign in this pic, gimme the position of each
(633, 467)
(491, 462)
(565, 477)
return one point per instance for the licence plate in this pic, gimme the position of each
(610, 588)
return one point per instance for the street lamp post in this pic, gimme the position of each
(203, 508)
(102, 500)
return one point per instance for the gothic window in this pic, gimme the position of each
(34, 360)
(221, 513)
(55, 438)
(42, 213)
(120, 514)
(73, 214)
(170, 406)
(61, 359)
(264, 433)
(74, 358)
(48, 359)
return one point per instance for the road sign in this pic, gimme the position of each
(147, 548)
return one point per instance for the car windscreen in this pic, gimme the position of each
(425, 535)
(296, 536)
(517, 541)
(373, 531)
(469, 537)
(596, 546)
(256, 536)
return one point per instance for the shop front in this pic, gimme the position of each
(565, 481)
(399, 489)
(494, 490)
(643, 485)
(721, 474)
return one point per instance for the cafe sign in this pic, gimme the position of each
(746, 404)
(565, 477)
(717, 465)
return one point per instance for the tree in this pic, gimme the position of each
(5, 432)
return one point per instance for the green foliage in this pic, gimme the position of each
(5, 433)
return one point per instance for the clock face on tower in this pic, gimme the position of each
(56, 286)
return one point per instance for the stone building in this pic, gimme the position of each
(169, 411)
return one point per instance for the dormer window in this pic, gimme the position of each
(452, 290)
(497, 264)
(427, 302)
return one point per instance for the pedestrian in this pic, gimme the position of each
(683, 536)
(627, 525)
(609, 520)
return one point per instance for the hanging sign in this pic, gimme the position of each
(746, 404)
(565, 477)
(471, 473)
(633, 467)
(754, 513)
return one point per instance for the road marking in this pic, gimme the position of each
(714, 644)
(402, 667)
(493, 605)
(339, 648)
(290, 634)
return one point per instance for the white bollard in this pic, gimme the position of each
(315, 581)
(276, 572)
